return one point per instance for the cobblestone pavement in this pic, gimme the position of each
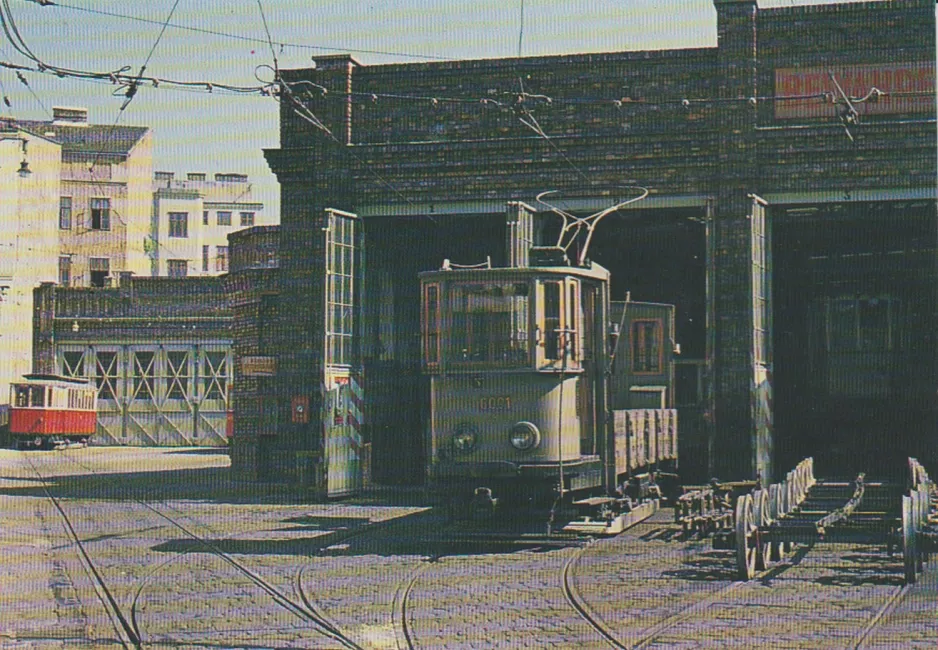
(648, 586)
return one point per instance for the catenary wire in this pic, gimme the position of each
(251, 39)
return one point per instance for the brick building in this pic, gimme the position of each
(159, 350)
(791, 220)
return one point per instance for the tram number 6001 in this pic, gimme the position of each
(495, 403)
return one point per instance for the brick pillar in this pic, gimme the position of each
(736, 451)
(313, 170)
(44, 328)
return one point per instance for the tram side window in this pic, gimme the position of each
(572, 321)
(431, 324)
(861, 324)
(552, 320)
(646, 346)
(489, 323)
(37, 396)
(22, 396)
(588, 307)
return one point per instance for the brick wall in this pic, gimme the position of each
(415, 154)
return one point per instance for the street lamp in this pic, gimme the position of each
(24, 171)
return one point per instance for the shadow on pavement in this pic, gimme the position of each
(707, 566)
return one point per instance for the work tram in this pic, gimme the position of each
(528, 400)
(48, 411)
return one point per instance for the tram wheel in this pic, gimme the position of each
(745, 548)
(760, 510)
(908, 540)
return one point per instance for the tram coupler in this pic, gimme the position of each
(482, 504)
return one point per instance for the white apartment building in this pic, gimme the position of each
(105, 196)
(30, 168)
(192, 218)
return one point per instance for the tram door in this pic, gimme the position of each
(761, 354)
(345, 450)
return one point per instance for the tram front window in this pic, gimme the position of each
(489, 324)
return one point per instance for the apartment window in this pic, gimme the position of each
(100, 268)
(224, 218)
(178, 224)
(204, 217)
(247, 218)
(65, 212)
(221, 258)
(205, 258)
(100, 214)
(65, 270)
(177, 268)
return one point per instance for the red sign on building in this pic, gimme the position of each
(903, 88)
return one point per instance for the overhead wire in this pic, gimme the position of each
(130, 93)
(251, 39)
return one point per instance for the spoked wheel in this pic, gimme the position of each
(776, 549)
(760, 513)
(746, 538)
(908, 540)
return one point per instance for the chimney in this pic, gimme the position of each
(69, 116)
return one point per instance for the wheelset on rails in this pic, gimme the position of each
(802, 509)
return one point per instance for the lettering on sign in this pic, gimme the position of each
(906, 87)
(258, 366)
(495, 403)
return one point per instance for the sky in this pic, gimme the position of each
(198, 131)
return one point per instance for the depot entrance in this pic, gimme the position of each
(654, 255)
(854, 334)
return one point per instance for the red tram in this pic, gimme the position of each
(49, 410)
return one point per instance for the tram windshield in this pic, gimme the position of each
(489, 323)
(27, 396)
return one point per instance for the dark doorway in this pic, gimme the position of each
(397, 249)
(660, 256)
(854, 313)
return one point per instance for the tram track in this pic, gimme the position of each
(126, 633)
(860, 640)
(580, 605)
(127, 625)
(403, 636)
(646, 636)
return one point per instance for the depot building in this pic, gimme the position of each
(791, 219)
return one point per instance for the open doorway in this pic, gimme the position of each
(854, 314)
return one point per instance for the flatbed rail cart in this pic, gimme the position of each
(805, 510)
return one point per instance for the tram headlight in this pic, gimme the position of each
(524, 436)
(464, 439)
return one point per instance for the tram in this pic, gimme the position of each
(523, 406)
(49, 410)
